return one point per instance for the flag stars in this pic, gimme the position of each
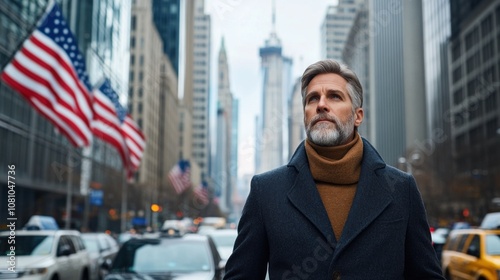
(65, 31)
(47, 30)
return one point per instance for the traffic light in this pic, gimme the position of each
(155, 207)
(465, 212)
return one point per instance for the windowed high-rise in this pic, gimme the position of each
(272, 138)
(166, 16)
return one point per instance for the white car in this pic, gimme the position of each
(43, 254)
(224, 241)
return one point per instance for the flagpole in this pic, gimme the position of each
(123, 226)
(30, 31)
(69, 189)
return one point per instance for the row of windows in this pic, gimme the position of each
(472, 38)
(141, 60)
(477, 135)
(476, 109)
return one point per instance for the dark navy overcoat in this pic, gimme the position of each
(285, 225)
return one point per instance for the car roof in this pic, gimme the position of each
(41, 232)
(475, 231)
(225, 231)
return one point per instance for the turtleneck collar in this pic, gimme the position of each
(338, 165)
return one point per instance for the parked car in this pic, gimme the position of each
(171, 256)
(102, 249)
(491, 221)
(44, 254)
(472, 254)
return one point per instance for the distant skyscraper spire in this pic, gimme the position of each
(273, 30)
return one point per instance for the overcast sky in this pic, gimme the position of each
(245, 25)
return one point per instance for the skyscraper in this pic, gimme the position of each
(201, 88)
(224, 151)
(153, 103)
(271, 130)
(475, 100)
(166, 16)
(335, 28)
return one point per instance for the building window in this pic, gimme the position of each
(141, 60)
(133, 23)
(488, 51)
(473, 62)
(456, 50)
(132, 42)
(471, 38)
(491, 102)
(475, 110)
(458, 96)
(131, 76)
(472, 87)
(132, 59)
(130, 92)
(487, 26)
(457, 74)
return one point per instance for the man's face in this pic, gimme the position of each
(329, 116)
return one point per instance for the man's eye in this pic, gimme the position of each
(312, 99)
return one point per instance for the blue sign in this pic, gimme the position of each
(96, 197)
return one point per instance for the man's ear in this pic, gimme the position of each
(359, 117)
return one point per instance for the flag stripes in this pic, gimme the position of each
(48, 71)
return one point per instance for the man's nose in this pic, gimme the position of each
(322, 105)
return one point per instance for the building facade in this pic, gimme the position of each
(271, 130)
(201, 88)
(474, 114)
(152, 90)
(335, 28)
(43, 158)
(167, 19)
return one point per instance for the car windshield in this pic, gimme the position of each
(493, 244)
(162, 257)
(91, 244)
(28, 245)
(224, 240)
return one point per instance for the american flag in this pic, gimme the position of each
(49, 72)
(109, 115)
(201, 193)
(136, 142)
(180, 176)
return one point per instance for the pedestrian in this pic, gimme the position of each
(336, 210)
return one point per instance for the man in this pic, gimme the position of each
(336, 211)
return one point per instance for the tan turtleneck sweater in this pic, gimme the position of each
(336, 173)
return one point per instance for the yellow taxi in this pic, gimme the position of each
(472, 254)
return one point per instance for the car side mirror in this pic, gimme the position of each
(65, 250)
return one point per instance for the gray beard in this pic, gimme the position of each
(321, 135)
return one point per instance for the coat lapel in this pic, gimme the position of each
(305, 197)
(372, 197)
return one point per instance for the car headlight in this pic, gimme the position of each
(36, 271)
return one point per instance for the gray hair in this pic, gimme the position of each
(354, 88)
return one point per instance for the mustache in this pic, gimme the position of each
(322, 117)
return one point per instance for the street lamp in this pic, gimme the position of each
(415, 157)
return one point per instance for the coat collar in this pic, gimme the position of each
(372, 195)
